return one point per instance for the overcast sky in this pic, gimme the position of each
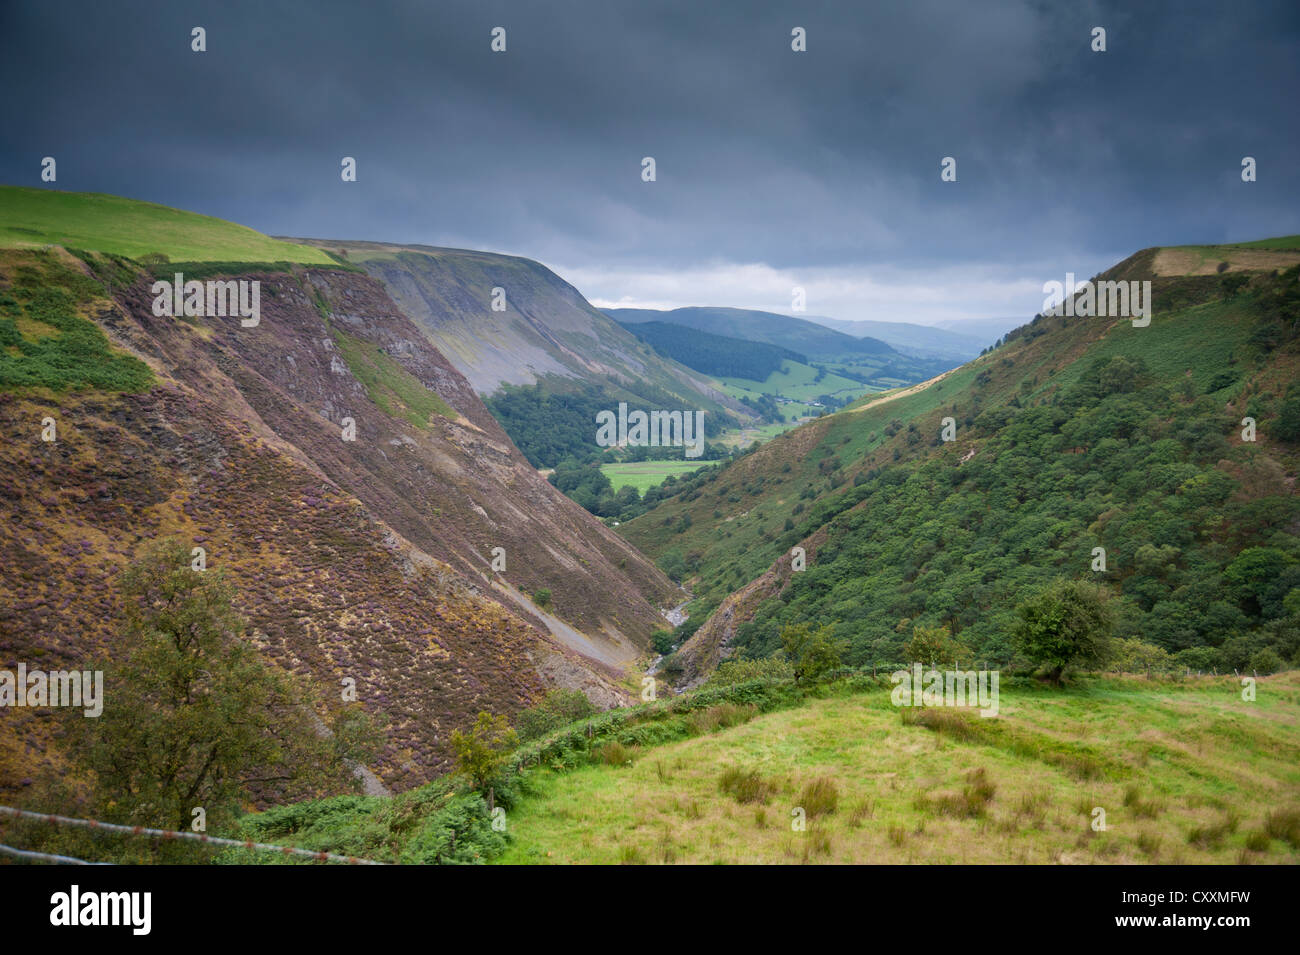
(775, 168)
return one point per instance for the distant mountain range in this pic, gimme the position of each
(880, 362)
(806, 338)
(952, 339)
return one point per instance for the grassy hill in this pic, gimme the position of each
(1185, 770)
(1186, 773)
(131, 228)
(1075, 434)
(924, 341)
(785, 331)
(798, 382)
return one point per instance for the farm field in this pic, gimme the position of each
(646, 474)
(794, 381)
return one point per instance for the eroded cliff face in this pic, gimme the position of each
(347, 480)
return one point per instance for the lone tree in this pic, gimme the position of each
(811, 652)
(482, 752)
(192, 716)
(1068, 622)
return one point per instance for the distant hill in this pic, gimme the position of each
(102, 223)
(989, 329)
(871, 360)
(715, 355)
(803, 337)
(921, 341)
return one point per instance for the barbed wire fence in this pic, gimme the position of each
(167, 835)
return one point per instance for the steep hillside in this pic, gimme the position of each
(546, 334)
(1075, 434)
(366, 558)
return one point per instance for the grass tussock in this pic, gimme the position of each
(1142, 808)
(614, 753)
(820, 797)
(721, 716)
(1284, 824)
(745, 785)
(970, 803)
(1211, 836)
(946, 722)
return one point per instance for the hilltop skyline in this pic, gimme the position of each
(774, 168)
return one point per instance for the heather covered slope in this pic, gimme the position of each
(1074, 434)
(366, 559)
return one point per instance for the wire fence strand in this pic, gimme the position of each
(168, 834)
(45, 856)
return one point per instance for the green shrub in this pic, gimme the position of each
(732, 672)
(1266, 661)
(459, 833)
(559, 708)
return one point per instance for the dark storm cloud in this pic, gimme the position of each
(827, 159)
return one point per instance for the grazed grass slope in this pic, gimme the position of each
(1186, 773)
(103, 223)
